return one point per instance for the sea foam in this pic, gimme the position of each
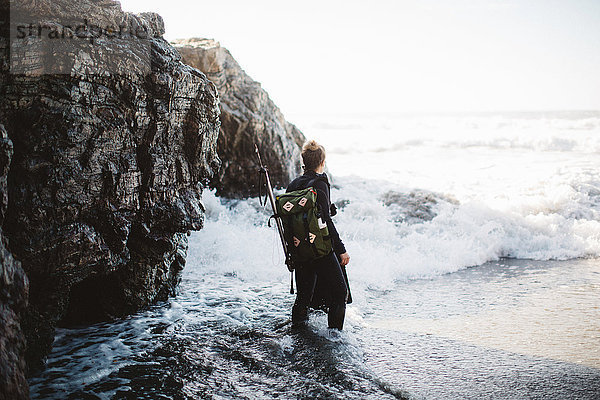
(383, 250)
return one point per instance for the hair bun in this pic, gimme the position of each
(311, 145)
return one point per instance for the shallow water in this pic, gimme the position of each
(493, 331)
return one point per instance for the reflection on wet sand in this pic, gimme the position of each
(512, 329)
(561, 323)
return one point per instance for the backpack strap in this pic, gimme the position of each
(312, 182)
(318, 178)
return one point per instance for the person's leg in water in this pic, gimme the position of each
(306, 279)
(328, 269)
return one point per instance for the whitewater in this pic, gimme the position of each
(475, 272)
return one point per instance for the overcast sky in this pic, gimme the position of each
(404, 55)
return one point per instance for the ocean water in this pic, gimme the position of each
(475, 272)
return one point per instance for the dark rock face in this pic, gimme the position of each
(13, 298)
(108, 168)
(248, 116)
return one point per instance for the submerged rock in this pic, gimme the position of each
(416, 206)
(112, 145)
(248, 116)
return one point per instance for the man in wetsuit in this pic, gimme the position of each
(326, 269)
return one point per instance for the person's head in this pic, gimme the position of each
(313, 156)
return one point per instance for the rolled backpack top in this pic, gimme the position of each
(305, 231)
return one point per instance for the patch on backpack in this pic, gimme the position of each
(296, 241)
(303, 201)
(311, 237)
(288, 206)
(322, 225)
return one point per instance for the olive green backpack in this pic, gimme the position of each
(305, 231)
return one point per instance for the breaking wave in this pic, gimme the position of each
(405, 234)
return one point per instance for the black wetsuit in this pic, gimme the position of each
(326, 269)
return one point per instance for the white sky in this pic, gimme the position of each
(322, 56)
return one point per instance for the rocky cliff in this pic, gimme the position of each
(248, 116)
(113, 138)
(13, 297)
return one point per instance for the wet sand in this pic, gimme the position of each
(512, 329)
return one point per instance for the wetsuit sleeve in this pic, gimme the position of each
(324, 203)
